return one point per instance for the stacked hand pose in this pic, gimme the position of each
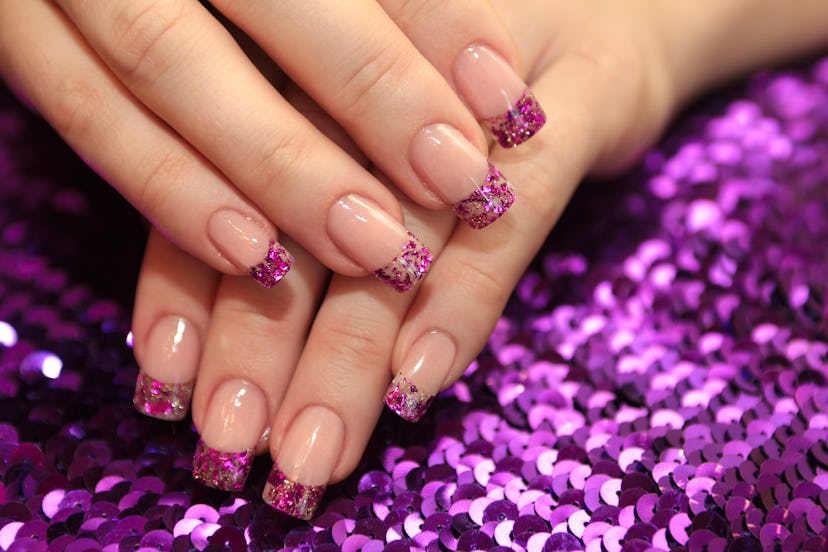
(270, 143)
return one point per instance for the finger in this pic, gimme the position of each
(180, 192)
(250, 350)
(469, 45)
(223, 106)
(454, 313)
(335, 395)
(172, 312)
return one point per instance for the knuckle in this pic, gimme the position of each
(282, 156)
(377, 68)
(356, 341)
(611, 56)
(73, 109)
(473, 280)
(407, 12)
(162, 175)
(140, 35)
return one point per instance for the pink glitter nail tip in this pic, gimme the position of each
(290, 497)
(406, 400)
(226, 471)
(165, 401)
(487, 203)
(519, 123)
(274, 267)
(409, 267)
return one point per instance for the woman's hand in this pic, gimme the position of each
(160, 98)
(613, 76)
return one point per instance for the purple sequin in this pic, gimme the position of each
(518, 124)
(488, 202)
(165, 401)
(274, 267)
(226, 471)
(290, 497)
(409, 267)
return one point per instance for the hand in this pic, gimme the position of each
(168, 107)
(613, 76)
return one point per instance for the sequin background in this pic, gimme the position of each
(657, 382)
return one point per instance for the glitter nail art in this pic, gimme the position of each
(226, 471)
(409, 267)
(519, 123)
(274, 267)
(290, 497)
(487, 203)
(165, 401)
(406, 400)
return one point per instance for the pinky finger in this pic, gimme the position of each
(172, 312)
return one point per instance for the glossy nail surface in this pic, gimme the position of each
(250, 246)
(462, 176)
(378, 242)
(307, 457)
(423, 371)
(165, 383)
(236, 417)
(498, 96)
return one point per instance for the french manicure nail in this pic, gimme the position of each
(453, 168)
(250, 246)
(378, 242)
(424, 369)
(235, 420)
(498, 96)
(165, 382)
(306, 460)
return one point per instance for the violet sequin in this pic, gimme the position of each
(488, 202)
(409, 267)
(274, 267)
(165, 401)
(657, 380)
(518, 124)
(406, 400)
(290, 497)
(226, 471)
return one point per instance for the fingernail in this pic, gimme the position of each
(250, 246)
(165, 382)
(378, 242)
(423, 371)
(453, 168)
(498, 96)
(236, 418)
(306, 460)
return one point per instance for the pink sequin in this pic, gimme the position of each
(487, 203)
(290, 497)
(274, 267)
(166, 401)
(519, 123)
(226, 471)
(406, 400)
(409, 267)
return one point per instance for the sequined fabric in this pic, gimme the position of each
(518, 124)
(409, 267)
(488, 202)
(657, 381)
(166, 401)
(221, 470)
